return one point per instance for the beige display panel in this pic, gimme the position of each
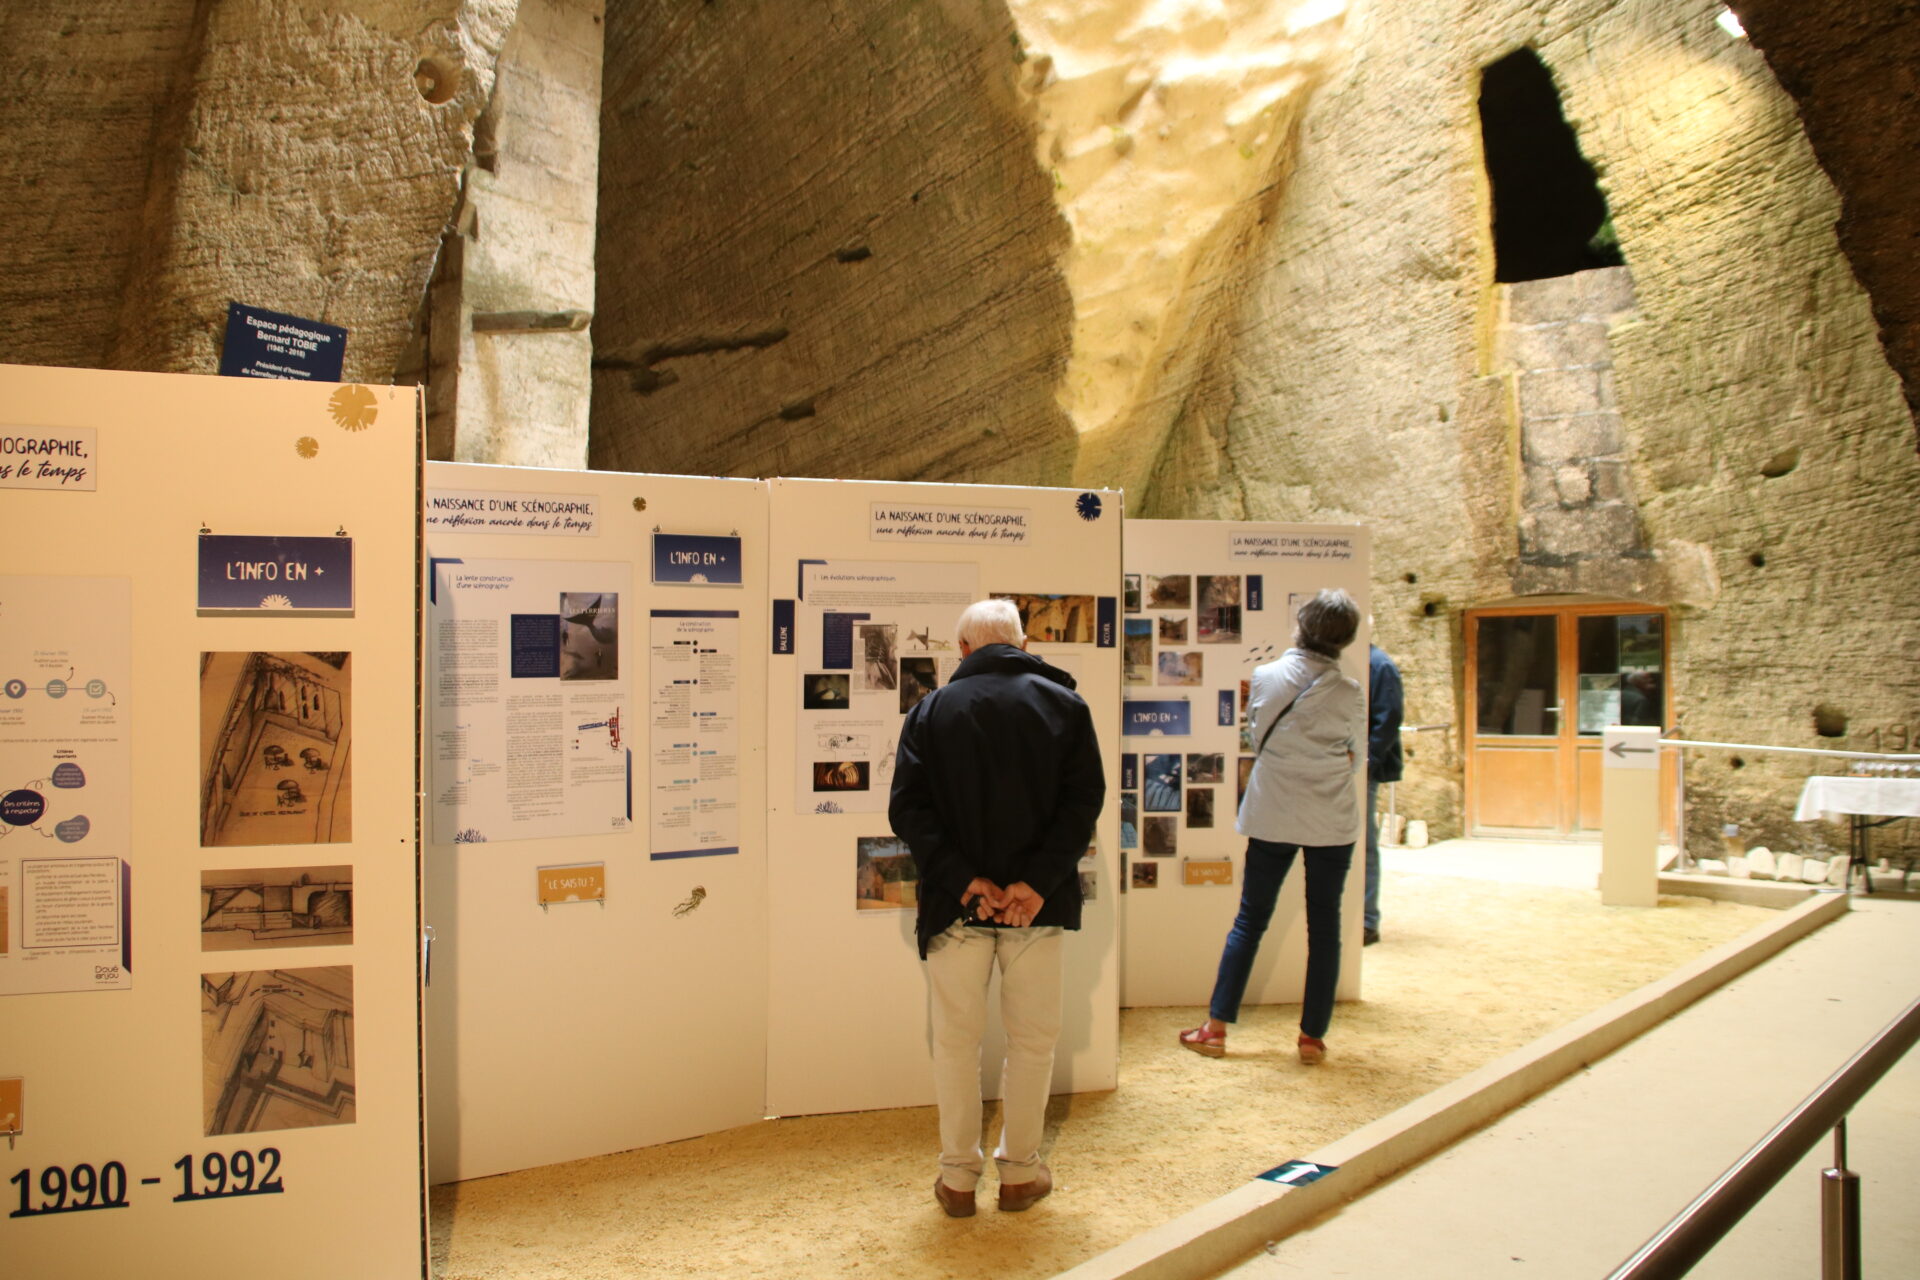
(226, 815)
(1208, 601)
(847, 1010)
(595, 819)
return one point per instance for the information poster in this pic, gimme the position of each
(694, 769)
(528, 671)
(65, 648)
(874, 638)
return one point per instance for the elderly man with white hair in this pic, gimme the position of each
(995, 790)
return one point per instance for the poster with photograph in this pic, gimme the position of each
(1160, 837)
(1199, 808)
(918, 678)
(252, 908)
(65, 779)
(1173, 628)
(275, 748)
(1129, 820)
(1146, 875)
(528, 674)
(1217, 616)
(885, 878)
(694, 725)
(876, 637)
(276, 1049)
(1049, 619)
(1169, 593)
(1160, 788)
(1130, 593)
(1182, 669)
(1137, 651)
(1206, 768)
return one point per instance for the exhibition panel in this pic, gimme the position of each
(1205, 602)
(209, 975)
(595, 769)
(868, 584)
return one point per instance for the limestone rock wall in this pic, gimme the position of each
(1852, 70)
(825, 247)
(510, 350)
(1764, 432)
(175, 155)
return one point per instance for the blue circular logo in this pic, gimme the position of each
(1088, 505)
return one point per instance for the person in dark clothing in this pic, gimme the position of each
(996, 787)
(1385, 707)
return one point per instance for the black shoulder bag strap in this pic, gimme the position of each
(1283, 715)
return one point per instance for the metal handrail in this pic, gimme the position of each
(1676, 1247)
(1791, 751)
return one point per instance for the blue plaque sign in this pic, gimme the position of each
(268, 344)
(242, 574)
(695, 559)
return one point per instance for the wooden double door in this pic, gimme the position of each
(1542, 685)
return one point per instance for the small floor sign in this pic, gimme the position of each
(1298, 1173)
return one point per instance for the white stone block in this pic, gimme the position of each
(1786, 866)
(1813, 870)
(1837, 873)
(1884, 878)
(1737, 867)
(1416, 834)
(1760, 864)
(1711, 867)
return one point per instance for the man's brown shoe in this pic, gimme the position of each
(958, 1204)
(1020, 1195)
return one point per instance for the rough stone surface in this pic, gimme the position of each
(826, 247)
(523, 242)
(1854, 71)
(178, 156)
(1358, 372)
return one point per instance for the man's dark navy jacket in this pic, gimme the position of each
(998, 776)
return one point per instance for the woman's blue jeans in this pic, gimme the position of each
(1266, 870)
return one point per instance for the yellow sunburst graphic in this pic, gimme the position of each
(354, 408)
(306, 446)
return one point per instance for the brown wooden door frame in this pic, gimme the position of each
(1569, 745)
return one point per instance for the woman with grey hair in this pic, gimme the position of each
(1309, 723)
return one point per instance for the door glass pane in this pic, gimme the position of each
(1622, 673)
(1519, 663)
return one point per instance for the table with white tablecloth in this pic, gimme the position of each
(1859, 799)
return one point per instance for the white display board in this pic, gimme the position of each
(594, 729)
(209, 965)
(1204, 603)
(868, 581)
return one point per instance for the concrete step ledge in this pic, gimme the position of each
(1213, 1237)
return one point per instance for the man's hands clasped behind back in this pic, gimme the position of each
(1015, 905)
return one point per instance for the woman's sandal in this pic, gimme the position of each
(1202, 1041)
(1312, 1050)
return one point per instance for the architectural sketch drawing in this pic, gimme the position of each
(274, 731)
(276, 907)
(277, 1049)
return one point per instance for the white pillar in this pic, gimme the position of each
(1630, 817)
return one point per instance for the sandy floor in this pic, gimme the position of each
(1469, 970)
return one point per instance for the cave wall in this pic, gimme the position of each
(1854, 72)
(1363, 382)
(169, 157)
(825, 247)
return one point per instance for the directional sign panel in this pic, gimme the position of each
(1630, 747)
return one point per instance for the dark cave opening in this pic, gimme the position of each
(1549, 216)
